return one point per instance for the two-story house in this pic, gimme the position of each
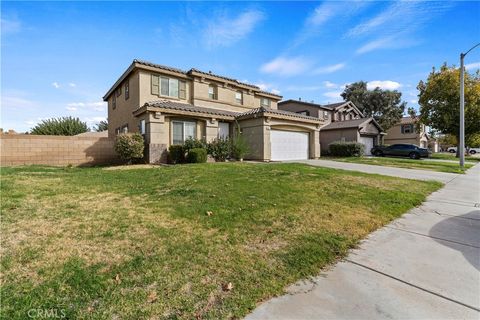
(169, 105)
(407, 131)
(341, 122)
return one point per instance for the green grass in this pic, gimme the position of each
(406, 163)
(96, 244)
(450, 156)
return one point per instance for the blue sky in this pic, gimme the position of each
(59, 58)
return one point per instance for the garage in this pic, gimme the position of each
(289, 145)
(368, 143)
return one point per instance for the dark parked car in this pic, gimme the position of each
(401, 150)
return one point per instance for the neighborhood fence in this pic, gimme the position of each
(21, 149)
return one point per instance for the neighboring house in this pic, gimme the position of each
(342, 122)
(406, 131)
(168, 106)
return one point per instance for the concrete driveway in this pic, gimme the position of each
(383, 170)
(425, 265)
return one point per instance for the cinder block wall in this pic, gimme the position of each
(24, 149)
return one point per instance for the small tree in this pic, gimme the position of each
(64, 126)
(129, 146)
(239, 147)
(101, 126)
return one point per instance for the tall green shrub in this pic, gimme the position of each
(64, 126)
(191, 143)
(129, 146)
(346, 149)
(176, 154)
(220, 149)
(197, 155)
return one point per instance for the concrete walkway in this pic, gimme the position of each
(425, 265)
(383, 170)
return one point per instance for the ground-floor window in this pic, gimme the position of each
(182, 130)
(141, 126)
(223, 130)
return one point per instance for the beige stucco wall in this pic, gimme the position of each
(298, 107)
(327, 137)
(23, 149)
(255, 133)
(122, 114)
(145, 78)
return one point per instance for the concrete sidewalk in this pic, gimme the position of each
(425, 265)
(383, 170)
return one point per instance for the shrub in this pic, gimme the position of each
(197, 155)
(129, 146)
(176, 154)
(65, 126)
(239, 147)
(191, 143)
(220, 149)
(346, 149)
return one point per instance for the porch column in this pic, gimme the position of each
(211, 129)
(156, 137)
(315, 144)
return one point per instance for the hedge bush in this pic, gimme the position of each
(64, 126)
(176, 154)
(346, 149)
(240, 147)
(129, 146)
(197, 155)
(191, 143)
(220, 149)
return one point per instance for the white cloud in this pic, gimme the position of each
(224, 31)
(386, 85)
(335, 95)
(330, 69)
(329, 84)
(286, 66)
(395, 26)
(267, 87)
(72, 85)
(10, 25)
(56, 85)
(96, 106)
(16, 102)
(414, 101)
(472, 66)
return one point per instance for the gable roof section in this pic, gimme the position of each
(331, 106)
(185, 108)
(349, 124)
(192, 72)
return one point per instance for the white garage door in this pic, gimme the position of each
(368, 143)
(288, 145)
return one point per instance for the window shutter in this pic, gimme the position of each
(402, 128)
(182, 90)
(155, 85)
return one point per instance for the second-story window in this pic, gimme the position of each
(169, 87)
(212, 92)
(325, 114)
(407, 128)
(127, 90)
(265, 102)
(239, 97)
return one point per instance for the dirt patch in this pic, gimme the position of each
(134, 166)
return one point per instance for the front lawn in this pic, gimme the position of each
(441, 166)
(450, 156)
(191, 241)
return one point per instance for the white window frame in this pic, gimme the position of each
(263, 104)
(184, 135)
(214, 94)
(238, 99)
(227, 133)
(142, 126)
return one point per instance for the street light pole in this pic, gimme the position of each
(462, 113)
(462, 107)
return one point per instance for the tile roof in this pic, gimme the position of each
(150, 64)
(324, 106)
(166, 104)
(355, 123)
(408, 120)
(279, 112)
